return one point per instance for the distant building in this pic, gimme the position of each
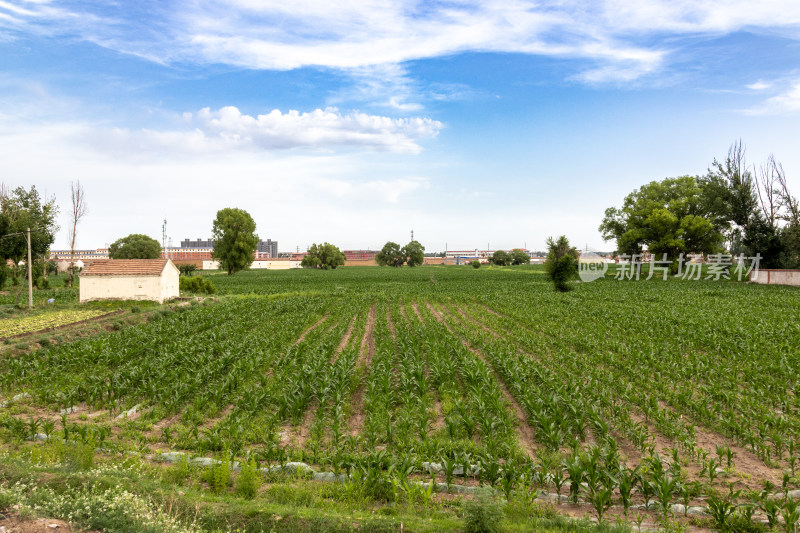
(268, 247)
(197, 243)
(359, 255)
(481, 255)
(82, 257)
(201, 249)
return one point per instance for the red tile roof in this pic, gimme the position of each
(126, 267)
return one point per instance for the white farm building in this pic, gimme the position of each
(130, 279)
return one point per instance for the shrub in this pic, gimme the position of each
(561, 264)
(187, 269)
(249, 480)
(218, 476)
(197, 284)
(482, 516)
(475, 263)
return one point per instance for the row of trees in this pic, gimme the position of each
(516, 257)
(736, 206)
(412, 254)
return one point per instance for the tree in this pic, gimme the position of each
(520, 257)
(729, 192)
(391, 255)
(135, 246)
(21, 209)
(500, 258)
(414, 253)
(561, 264)
(668, 216)
(323, 256)
(79, 210)
(235, 239)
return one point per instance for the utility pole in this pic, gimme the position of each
(30, 272)
(412, 234)
(164, 237)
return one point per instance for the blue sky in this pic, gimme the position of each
(499, 122)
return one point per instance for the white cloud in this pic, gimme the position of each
(292, 195)
(787, 101)
(227, 129)
(620, 36)
(759, 86)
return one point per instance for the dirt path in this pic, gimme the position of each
(14, 523)
(466, 318)
(367, 351)
(345, 341)
(415, 307)
(392, 329)
(403, 313)
(302, 337)
(525, 435)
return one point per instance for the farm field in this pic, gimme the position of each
(674, 404)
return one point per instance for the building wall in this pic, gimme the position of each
(121, 288)
(268, 264)
(776, 277)
(360, 262)
(170, 282)
(198, 263)
(187, 254)
(439, 261)
(157, 288)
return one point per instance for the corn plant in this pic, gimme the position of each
(664, 489)
(771, 509)
(791, 515)
(575, 470)
(601, 501)
(627, 480)
(720, 510)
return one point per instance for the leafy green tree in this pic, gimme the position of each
(475, 264)
(790, 246)
(414, 253)
(520, 257)
(561, 264)
(135, 246)
(235, 239)
(391, 255)
(21, 209)
(323, 256)
(668, 216)
(500, 258)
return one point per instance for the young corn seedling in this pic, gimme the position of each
(627, 481)
(575, 469)
(720, 510)
(664, 489)
(601, 501)
(448, 467)
(791, 515)
(558, 480)
(688, 491)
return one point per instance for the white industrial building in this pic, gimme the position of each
(130, 279)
